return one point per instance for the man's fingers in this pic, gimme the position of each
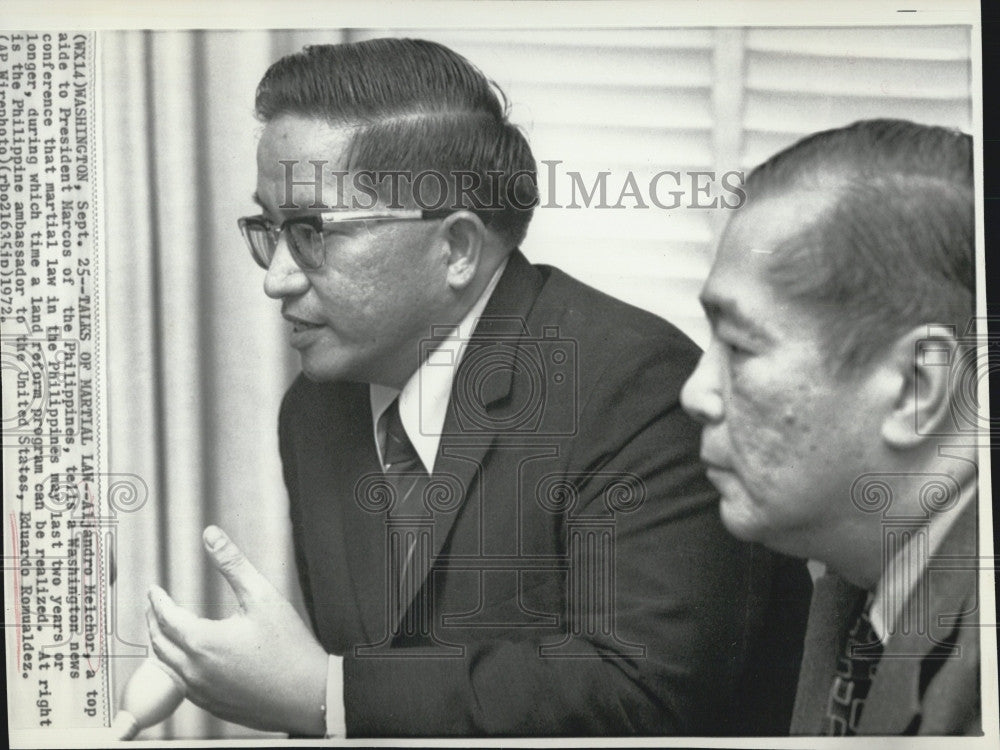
(174, 622)
(247, 583)
(166, 650)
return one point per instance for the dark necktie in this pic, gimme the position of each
(405, 472)
(856, 667)
(398, 454)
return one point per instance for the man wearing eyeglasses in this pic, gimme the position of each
(500, 522)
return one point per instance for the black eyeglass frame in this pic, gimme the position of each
(308, 250)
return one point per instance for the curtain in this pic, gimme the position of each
(197, 355)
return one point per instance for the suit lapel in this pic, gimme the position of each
(895, 697)
(352, 456)
(478, 404)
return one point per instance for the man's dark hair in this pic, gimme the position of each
(894, 249)
(414, 106)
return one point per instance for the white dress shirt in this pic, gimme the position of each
(423, 404)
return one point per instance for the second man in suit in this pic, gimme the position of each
(838, 397)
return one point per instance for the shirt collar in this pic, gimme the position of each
(423, 400)
(901, 576)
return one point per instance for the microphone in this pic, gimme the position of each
(151, 695)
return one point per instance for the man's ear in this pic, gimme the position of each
(464, 234)
(922, 362)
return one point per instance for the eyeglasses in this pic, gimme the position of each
(306, 235)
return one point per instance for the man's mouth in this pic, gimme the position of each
(713, 464)
(299, 324)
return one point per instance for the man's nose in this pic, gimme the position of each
(701, 396)
(284, 276)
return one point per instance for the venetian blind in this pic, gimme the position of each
(640, 101)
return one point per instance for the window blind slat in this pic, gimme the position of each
(631, 148)
(803, 113)
(910, 43)
(599, 105)
(885, 78)
(600, 39)
(566, 66)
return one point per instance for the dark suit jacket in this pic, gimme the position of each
(582, 582)
(928, 679)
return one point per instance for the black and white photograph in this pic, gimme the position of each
(507, 374)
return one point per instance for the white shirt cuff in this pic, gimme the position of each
(336, 720)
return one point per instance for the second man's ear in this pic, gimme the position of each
(465, 236)
(926, 369)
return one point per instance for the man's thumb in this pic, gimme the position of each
(247, 583)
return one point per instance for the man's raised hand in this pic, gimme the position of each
(260, 667)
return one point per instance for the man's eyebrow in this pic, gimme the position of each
(719, 308)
